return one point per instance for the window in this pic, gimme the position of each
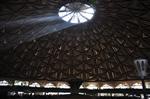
(4, 83)
(137, 86)
(81, 87)
(34, 85)
(106, 86)
(147, 85)
(122, 86)
(92, 86)
(63, 85)
(50, 85)
(76, 12)
(21, 83)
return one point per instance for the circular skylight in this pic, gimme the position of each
(76, 12)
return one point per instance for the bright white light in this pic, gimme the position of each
(122, 86)
(21, 83)
(81, 87)
(34, 85)
(92, 86)
(76, 12)
(50, 85)
(63, 85)
(106, 86)
(4, 83)
(137, 86)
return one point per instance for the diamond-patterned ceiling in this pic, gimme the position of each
(36, 44)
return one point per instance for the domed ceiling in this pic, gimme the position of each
(35, 43)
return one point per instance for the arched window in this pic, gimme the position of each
(147, 85)
(137, 85)
(63, 85)
(4, 83)
(81, 87)
(34, 85)
(92, 86)
(49, 85)
(122, 86)
(21, 83)
(106, 86)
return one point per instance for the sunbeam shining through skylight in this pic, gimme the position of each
(76, 12)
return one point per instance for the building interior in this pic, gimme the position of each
(75, 49)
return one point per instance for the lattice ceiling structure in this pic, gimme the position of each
(36, 44)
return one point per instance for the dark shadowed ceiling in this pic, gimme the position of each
(36, 44)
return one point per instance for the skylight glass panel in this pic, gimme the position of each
(76, 12)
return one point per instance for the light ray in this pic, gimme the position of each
(29, 21)
(14, 40)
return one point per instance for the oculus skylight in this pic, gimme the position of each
(76, 12)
